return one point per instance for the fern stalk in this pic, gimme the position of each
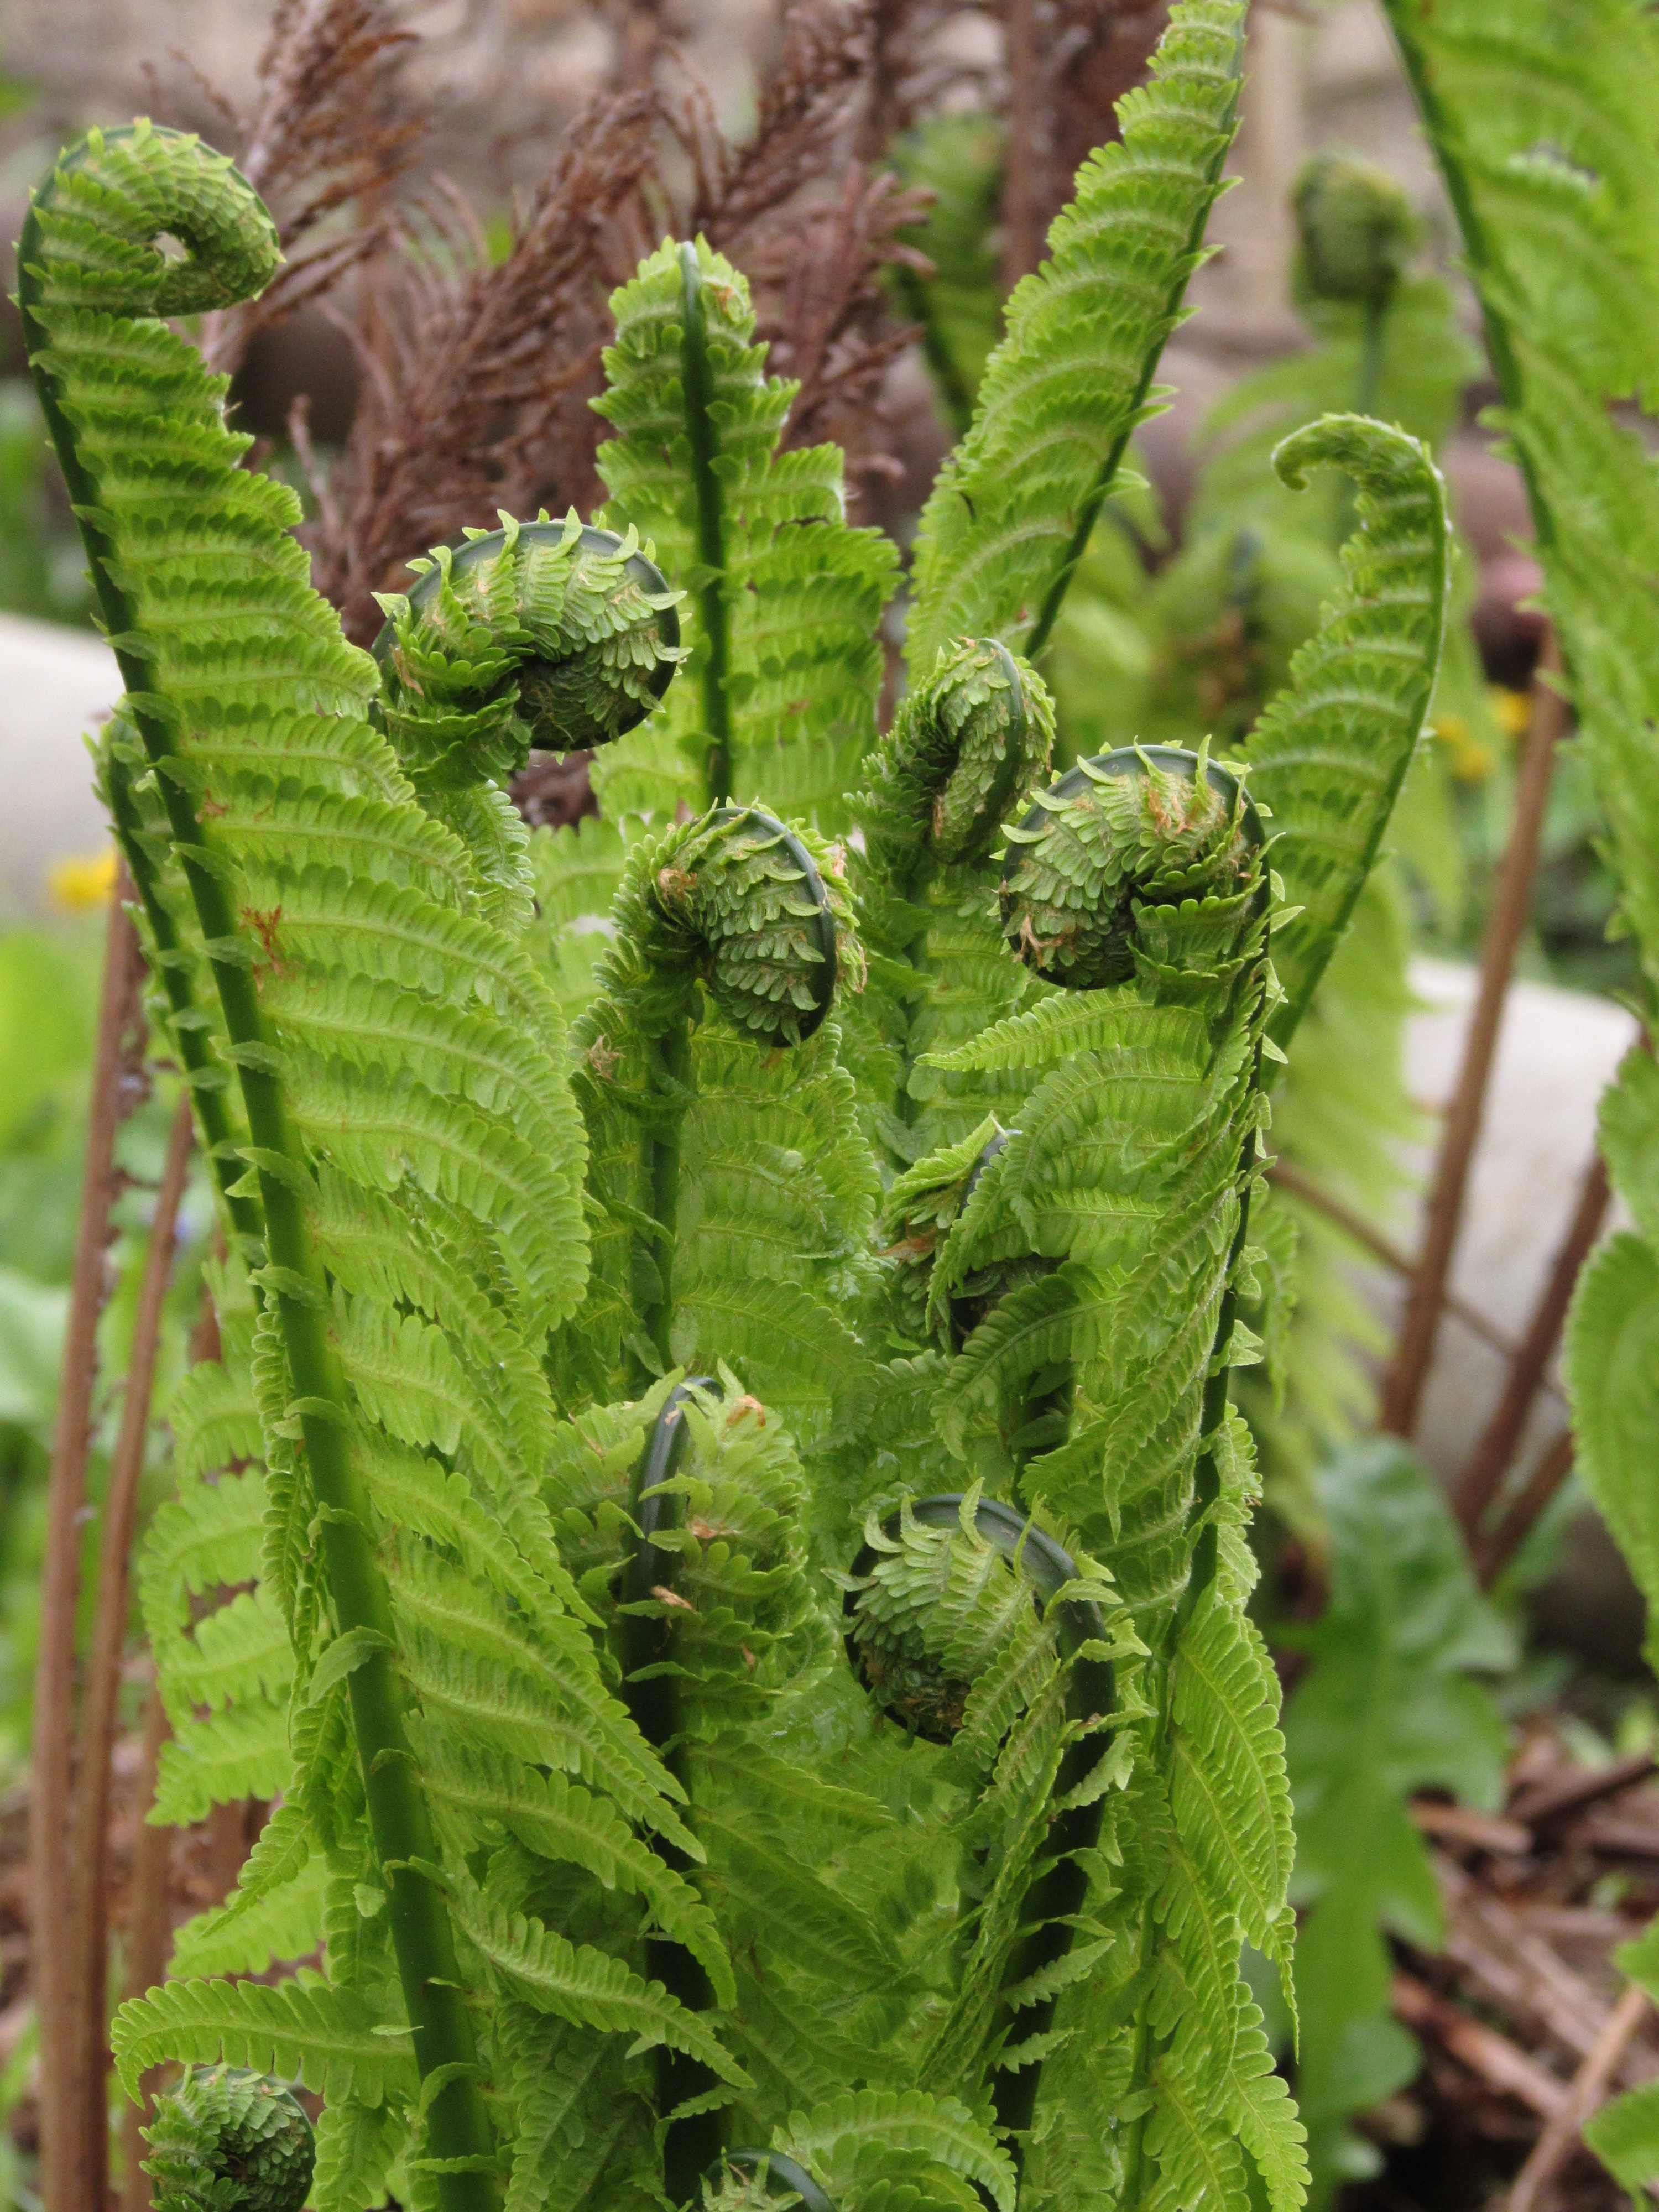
(697, 385)
(295, 1280)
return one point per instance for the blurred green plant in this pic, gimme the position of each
(41, 563)
(1392, 1702)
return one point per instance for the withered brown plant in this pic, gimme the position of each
(329, 134)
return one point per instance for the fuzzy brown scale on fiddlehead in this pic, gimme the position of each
(227, 2139)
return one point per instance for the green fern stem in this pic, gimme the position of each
(671, 1079)
(1116, 843)
(231, 254)
(693, 2142)
(697, 385)
(1053, 598)
(205, 1078)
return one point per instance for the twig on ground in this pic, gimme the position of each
(87, 1934)
(1503, 2065)
(1402, 1389)
(1494, 1454)
(1546, 1803)
(1462, 1824)
(1589, 2086)
(74, 2146)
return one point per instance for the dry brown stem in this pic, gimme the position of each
(1067, 62)
(1494, 1454)
(87, 1933)
(1494, 1550)
(1589, 2086)
(1425, 1297)
(476, 376)
(74, 2149)
(329, 133)
(1370, 1239)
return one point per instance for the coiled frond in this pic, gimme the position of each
(1147, 855)
(536, 635)
(228, 2141)
(1355, 227)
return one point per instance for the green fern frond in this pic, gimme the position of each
(284, 1924)
(305, 2029)
(1329, 756)
(584, 1986)
(1012, 509)
(840, 2142)
(220, 1759)
(787, 598)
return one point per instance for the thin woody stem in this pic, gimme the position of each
(73, 2128)
(88, 1933)
(149, 1941)
(1494, 1550)
(1402, 1389)
(1494, 1452)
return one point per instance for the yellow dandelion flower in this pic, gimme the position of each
(1469, 761)
(1511, 710)
(83, 880)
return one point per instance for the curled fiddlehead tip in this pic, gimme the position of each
(148, 185)
(964, 746)
(757, 911)
(227, 2139)
(1356, 229)
(931, 1604)
(544, 635)
(746, 2177)
(1119, 842)
(921, 1208)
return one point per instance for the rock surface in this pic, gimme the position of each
(56, 685)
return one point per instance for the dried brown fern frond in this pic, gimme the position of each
(329, 134)
(809, 221)
(476, 375)
(816, 269)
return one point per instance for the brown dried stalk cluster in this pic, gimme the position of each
(476, 366)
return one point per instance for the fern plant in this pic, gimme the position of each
(846, 1768)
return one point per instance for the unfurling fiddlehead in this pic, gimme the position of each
(966, 747)
(738, 910)
(1357, 230)
(956, 1611)
(539, 636)
(542, 635)
(227, 2139)
(351, 945)
(1141, 861)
